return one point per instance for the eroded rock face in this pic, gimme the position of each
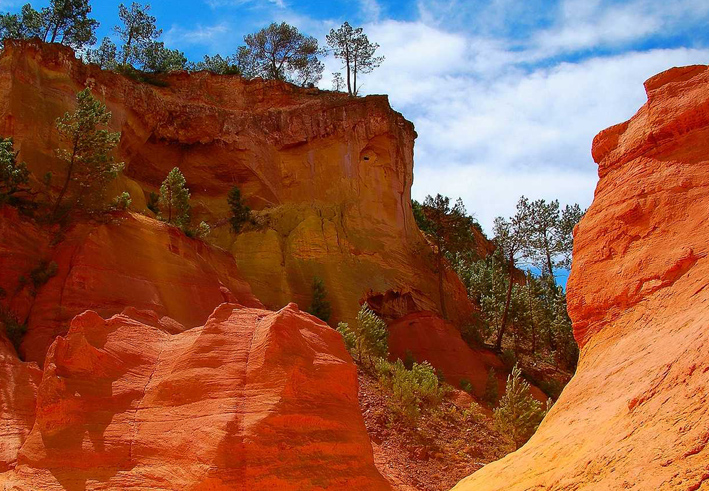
(329, 175)
(253, 399)
(126, 261)
(634, 416)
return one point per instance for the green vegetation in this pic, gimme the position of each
(466, 385)
(240, 213)
(14, 176)
(411, 389)
(353, 48)
(518, 414)
(320, 307)
(174, 200)
(492, 392)
(63, 21)
(122, 201)
(14, 330)
(87, 155)
(281, 52)
(43, 272)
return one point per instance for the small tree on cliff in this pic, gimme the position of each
(372, 336)
(320, 306)
(240, 213)
(68, 22)
(88, 153)
(449, 227)
(25, 25)
(14, 176)
(518, 414)
(352, 46)
(511, 239)
(174, 200)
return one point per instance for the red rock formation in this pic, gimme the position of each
(252, 400)
(427, 337)
(18, 389)
(635, 414)
(128, 261)
(329, 175)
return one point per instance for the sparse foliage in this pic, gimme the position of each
(240, 213)
(105, 55)
(122, 201)
(352, 46)
(411, 389)
(281, 52)
(174, 200)
(518, 414)
(14, 176)
(492, 391)
(88, 153)
(138, 31)
(320, 307)
(372, 336)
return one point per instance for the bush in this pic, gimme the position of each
(509, 358)
(518, 414)
(203, 230)
(240, 213)
(122, 201)
(473, 413)
(348, 337)
(13, 329)
(466, 385)
(320, 306)
(412, 389)
(372, 336)
(492, 393)
(42, 273)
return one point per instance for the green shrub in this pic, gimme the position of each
(42, 273)
(122, 201)
(409, 359)
(13, 329)
(203, 230)
(320, 306)
(492, 393)
(348, 337)
(412, 389)
(509, 358)
(372, 336)
(466, 385)
(518, 414)
(240, 213)
(473, 413)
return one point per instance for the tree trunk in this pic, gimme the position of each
(347, 62)
(354, 74)
(65, 187)
(503, 323)
(531, 316)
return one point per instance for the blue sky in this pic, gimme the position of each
(506, 95)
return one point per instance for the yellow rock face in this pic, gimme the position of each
(329, 176)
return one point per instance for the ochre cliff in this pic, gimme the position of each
(329, 176)
(635, 414)
(254, 399)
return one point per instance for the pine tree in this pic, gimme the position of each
(14, 176)
(174, 201)
(240, 213)
(372, 336)
(89, 161)
(518, 414)
(320, 306)
(352, 46)
(138, 31)
(492, 393)
(68, 22)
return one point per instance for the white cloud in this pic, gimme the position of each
(199, 35)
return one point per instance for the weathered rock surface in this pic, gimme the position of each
(635, 414)
(329, 175)
(127, 261)
(18, 390)
(252, 400)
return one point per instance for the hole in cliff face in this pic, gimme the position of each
(391, 304)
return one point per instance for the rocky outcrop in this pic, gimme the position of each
(127, 260)
(634, 416)
(251, 400)
(329, 175)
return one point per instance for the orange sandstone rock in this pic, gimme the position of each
(329, 175)
(129, 261)
(251, 400)
(635, 414)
